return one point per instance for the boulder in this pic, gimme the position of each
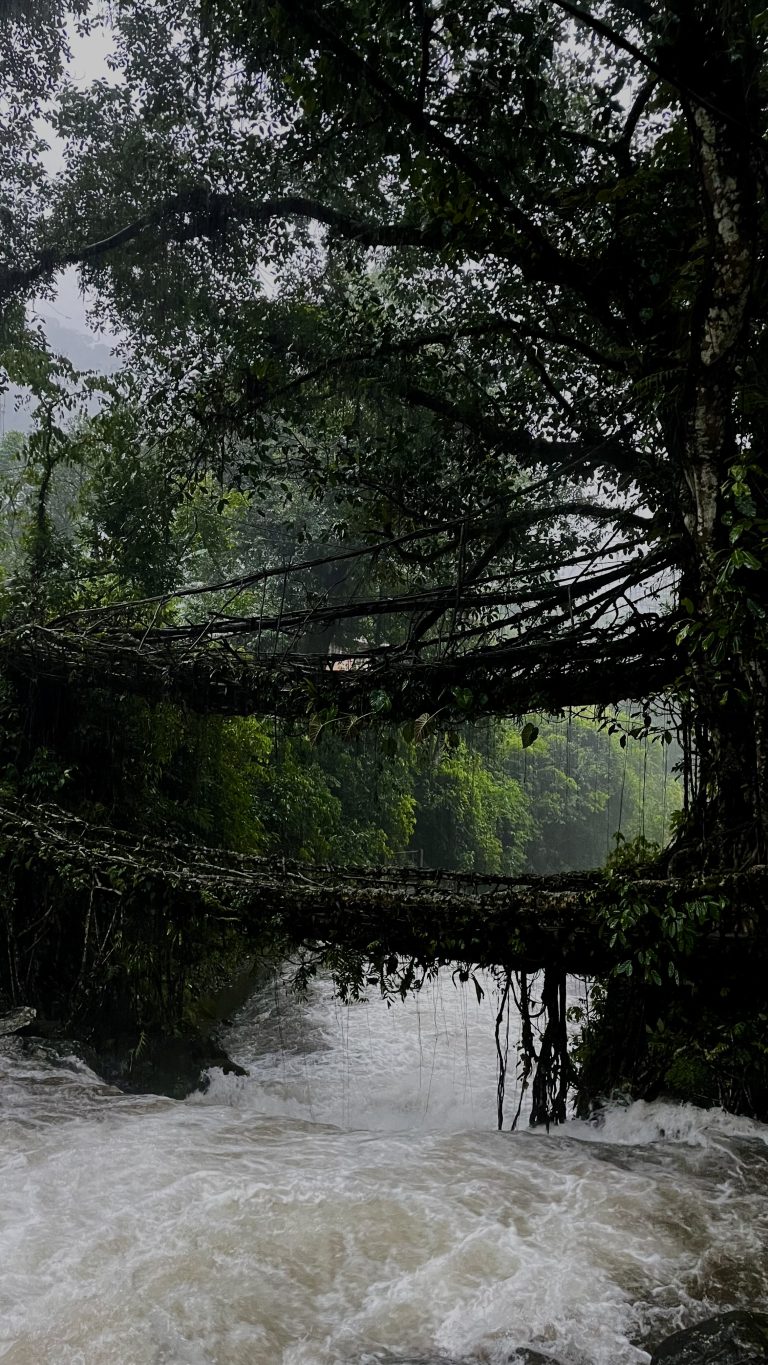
(163, 1066)
(389, 1359)
(405, 1360)
(525, 1356)
(739, 1338)
(13, 1020)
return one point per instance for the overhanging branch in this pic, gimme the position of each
(202, 213)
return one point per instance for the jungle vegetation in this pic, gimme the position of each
(441, 398)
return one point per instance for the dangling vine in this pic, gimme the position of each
(527, 1049)
(502, 1054)
(553, 1068)
(550, 1065)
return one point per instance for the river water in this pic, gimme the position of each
(351, 1201)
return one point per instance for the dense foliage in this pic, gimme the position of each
(484, 282)
(486, 797)
(441, 398)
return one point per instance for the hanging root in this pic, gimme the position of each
(553, 1066)
(550, 1064)
(527, 1047)
(502, 1053)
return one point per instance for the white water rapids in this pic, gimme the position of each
(350, 1201)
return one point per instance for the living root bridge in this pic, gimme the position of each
(206, 672)
(97, 920)
(523, 924)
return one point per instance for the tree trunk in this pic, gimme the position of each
(716, 64)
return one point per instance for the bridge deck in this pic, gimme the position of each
(524, 923)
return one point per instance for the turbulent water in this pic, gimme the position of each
(351, 1201)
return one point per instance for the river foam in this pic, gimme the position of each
(350, 1201)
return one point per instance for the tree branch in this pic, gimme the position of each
(441, 599)
(612, 36)
(535, 254)
(446, 339)
(606, 451)
(199, 212)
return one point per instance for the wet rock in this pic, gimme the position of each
(525, 1356)
(163, 1066)
(403, 1360)
(522, 1356)
(13, 1020)
(739, 1338)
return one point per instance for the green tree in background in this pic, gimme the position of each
(471, 816)
(474, 799)
(590, 782)
(492, 273)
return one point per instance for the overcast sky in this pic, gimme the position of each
(65, 318)
(89, 63)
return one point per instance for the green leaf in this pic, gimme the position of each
(420, 724)
(463, 697)
(529, 734)
(380, 701)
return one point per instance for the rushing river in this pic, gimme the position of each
(351, 1201)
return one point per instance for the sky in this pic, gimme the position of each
(69, 311)
(65, 317)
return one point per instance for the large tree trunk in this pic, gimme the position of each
(716, 62)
